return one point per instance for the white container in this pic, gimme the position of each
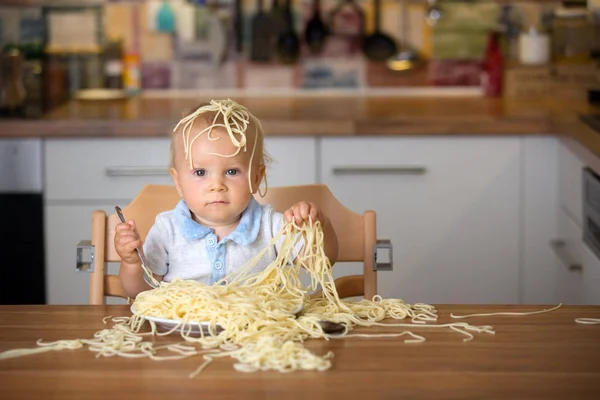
(534, 47)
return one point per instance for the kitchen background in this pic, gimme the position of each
(57, 50)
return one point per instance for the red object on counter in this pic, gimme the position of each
(493, 66)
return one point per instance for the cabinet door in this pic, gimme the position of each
(450, 206)
(539, 222)
(570, 183)
(293, 161)
(569, 273)
(65, 226)
(591, 276)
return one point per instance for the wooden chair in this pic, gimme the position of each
(357, 238)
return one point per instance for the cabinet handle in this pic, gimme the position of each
(373, 170)
(561, 251)
(137, 171)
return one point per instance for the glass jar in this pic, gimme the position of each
(54, 80)
(572, 35)
(93, 77)
(534, 46)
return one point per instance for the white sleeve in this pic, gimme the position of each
(155, 248)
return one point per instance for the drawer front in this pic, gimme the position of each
(117, 169)
(571, 184)
(294, 161)
(108, 169)
(569, 273)
(450, 207)
(591, 276)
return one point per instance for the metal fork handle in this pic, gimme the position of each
(147, 278)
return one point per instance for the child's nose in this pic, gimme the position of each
(217, 185)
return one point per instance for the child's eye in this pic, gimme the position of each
(200, 172)
(232, 172)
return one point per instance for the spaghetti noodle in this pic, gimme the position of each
(588, 321)
(507, 313)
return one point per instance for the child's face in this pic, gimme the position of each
(216, 189)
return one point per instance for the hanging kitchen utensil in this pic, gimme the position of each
(406, 58)
(316, 31)
(165, 18)
(261, 35)
(288, 44)
(347, 21)
(238, 27)
(217, 36)
(277, 23)
(378, 46)
(185, 15)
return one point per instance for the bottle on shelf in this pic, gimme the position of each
(131, 75)
(12, 92)
(113, 64)
(493, 66)
(54, 80)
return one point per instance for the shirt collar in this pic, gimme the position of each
(244, 234)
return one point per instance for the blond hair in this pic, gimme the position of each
(235, 119)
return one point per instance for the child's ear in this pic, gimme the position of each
(175, 177)
(260, 174)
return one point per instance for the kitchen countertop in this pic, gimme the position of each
(323, 116)
(539, 356)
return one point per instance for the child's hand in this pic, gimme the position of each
(303, 212)
(126, 241)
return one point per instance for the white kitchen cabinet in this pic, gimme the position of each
(577, 276)
(450, 206)
(83, 175)
(572, 274)
(539, 222)
(66, 225)
(566, 281)
(591, 276)
(570, 183)
(294, 161)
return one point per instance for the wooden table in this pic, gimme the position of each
(544, 356)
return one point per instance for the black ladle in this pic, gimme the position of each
(288, 43)
(379, 46)
(316, 31)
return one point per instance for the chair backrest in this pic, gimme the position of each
(356, 234)
(152, 200)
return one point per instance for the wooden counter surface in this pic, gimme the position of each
(543, 356)
(322, 116)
